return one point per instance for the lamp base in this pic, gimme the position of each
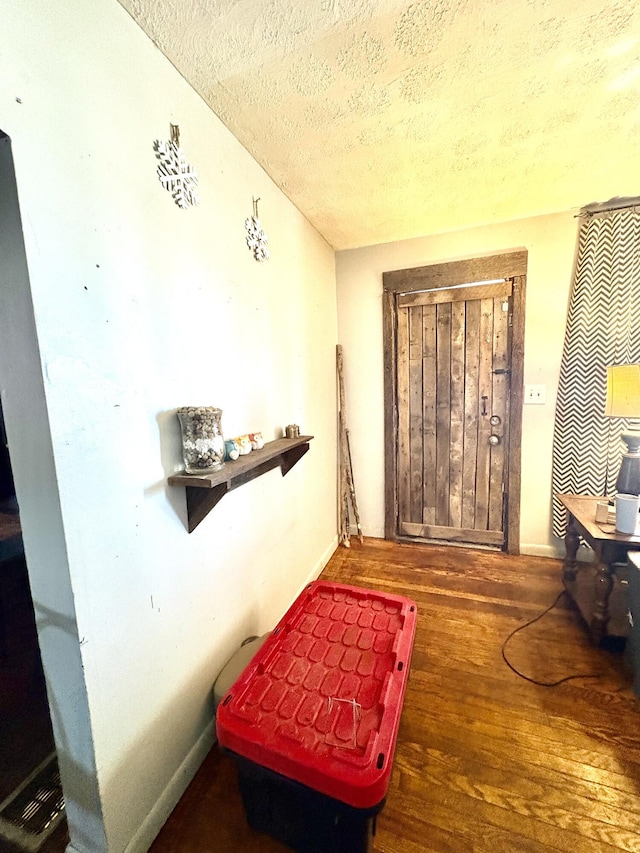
(628, 482)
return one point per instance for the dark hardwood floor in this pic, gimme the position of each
(485, 761)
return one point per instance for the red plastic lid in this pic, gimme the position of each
(320, 702)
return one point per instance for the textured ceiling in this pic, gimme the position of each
(383, 119)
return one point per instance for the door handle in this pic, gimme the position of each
(484, 405)
(500, 371)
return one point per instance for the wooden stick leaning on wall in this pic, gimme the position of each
(347, 485)
(345, 537)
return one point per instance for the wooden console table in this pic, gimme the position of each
(598, 589)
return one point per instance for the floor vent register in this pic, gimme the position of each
(31, 813)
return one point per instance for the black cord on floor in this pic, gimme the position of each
(526, 677)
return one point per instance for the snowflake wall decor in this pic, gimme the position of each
(175, 174)
(256, 238)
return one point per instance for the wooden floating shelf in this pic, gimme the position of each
(204, 491)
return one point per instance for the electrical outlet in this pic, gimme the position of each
(535, 395)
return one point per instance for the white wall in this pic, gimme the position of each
(22, 392)
(550, 242)
(140, 308)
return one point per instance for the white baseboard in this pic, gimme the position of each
(370, 532)
(171, 795)
(543, 551)
(328, 553)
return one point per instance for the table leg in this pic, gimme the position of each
(571, 543)
(603, 584)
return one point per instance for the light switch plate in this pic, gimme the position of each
(535, 395)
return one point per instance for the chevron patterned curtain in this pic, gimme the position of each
(603, 328)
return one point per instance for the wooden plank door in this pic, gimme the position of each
(454, 348)
(450, 454)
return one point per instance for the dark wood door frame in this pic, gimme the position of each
(510, 265)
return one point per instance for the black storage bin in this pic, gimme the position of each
(311, 723)
(299, 817)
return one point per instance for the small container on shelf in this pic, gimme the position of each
(203, 447)
(232, 449)
(244, 445)
(257, 441)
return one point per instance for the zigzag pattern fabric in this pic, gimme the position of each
(603, 328)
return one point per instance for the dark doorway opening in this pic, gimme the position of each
(26, 737)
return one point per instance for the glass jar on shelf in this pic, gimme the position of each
(202, 440)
